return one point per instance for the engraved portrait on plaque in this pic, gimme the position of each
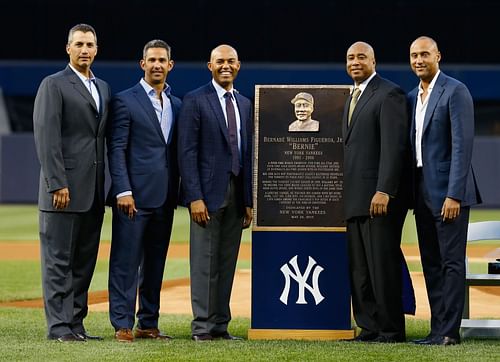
(304, 107)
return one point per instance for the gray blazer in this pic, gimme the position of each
(69, 138)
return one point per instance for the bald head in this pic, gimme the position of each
(362, 46)
(425, 58)
(360, 61)
(224, 65)
(431, 43)
(223, 48)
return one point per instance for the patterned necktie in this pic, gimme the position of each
(233, 136)
(352, 105)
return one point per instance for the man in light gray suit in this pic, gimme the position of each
(69, 124)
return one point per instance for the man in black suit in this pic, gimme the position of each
(69, 120)
(375, 129)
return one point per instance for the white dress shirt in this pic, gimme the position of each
(420, 110)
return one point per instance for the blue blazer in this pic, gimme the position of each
(204, 150)
(139, 158)
(447, 139)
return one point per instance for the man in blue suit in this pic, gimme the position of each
(442, 135)
(144, 192)
(215, 163)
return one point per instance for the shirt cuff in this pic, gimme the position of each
(385, 193)
(124, 193)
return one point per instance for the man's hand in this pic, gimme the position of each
(199, 212)
(248, 217)
(378, 206)
(450, 209)
(60, 198)
(127, 205)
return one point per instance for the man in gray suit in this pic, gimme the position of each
(69, 124)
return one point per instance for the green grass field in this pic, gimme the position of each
(22, 331)
(20, 223)
(23, 339)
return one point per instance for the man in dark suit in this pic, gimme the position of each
(375, 129)
(442, 133)
(145, 180)
(215, 162)
(69, 120)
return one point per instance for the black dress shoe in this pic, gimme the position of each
(426, 340)
(86, 336)
(385, 339)
(227, 336)
(202, 337)
(70, 337)
(363, 337)
(445, 341)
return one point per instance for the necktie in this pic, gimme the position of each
(352, 105)
(233, 136)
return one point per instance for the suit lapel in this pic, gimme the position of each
(145, 102)
(103, 97)
(213, 99)
(433, 100)
(412, 97)
(344, 117)
(175, 111)
(243, 121)
(80, 88)
(362, 101)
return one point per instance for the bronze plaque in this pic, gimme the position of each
(298, 165)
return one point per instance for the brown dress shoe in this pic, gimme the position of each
(151, 333)
(124, 335)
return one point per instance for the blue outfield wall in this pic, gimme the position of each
(21, 78)
(19, 169)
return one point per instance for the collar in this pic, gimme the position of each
(364, 83)
(149, 89)
(221, 91)
(81, 76)
(431, 86)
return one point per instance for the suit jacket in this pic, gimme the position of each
(69, 136)
(447, 139)
(204, 150)
(375, 146)
(139, 158)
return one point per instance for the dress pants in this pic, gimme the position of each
(442, 249)
(213, 256)
(375, 273)
(138, 255)
(69, 247)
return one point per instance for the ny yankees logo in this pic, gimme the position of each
(301, 280)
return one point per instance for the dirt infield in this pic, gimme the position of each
(175, 296)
